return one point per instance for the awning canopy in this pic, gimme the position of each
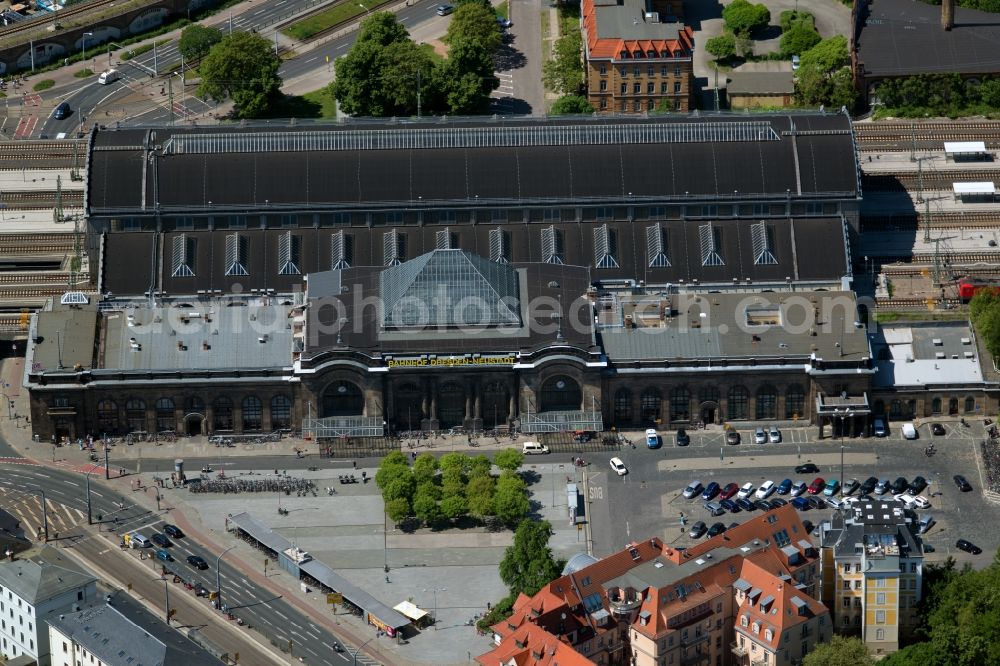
(410, 610)
(974, 188)
(964, 147)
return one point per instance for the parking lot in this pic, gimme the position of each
(648, 500)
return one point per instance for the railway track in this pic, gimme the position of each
(34, 200)
(917, 303)
(11, 323)
(15, 245)
(35, 150)
(909, 270)
(64, 14)
(35, 279)
(964, 259)
(22, 292)
(932, 180)
(940, 220)
(900, 136)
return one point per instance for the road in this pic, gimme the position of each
(258, 607)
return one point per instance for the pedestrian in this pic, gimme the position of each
(354, 464)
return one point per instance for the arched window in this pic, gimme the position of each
(767, 403)
(135, 415)
(709, 394)
(165, 415)
(343, 398)
(738, 399)
(560, 394)
(222, 414)
(970, 405)
(911, 408)
(896, 409)
(281, 412)
(253, 413)
(623, 406)
(107, 416)
(649, 405)
(795, 402)
(936, 406)
(194, 405)
(680, 404)
(953, 406)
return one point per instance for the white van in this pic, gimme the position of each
(109, 76)
(531, 448)
(909, 432)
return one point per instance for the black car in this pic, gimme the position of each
(197, 562)
(807, 524)
(917, 485)
(746, 504)
(808, 468)
(816, 502)
(868, 487)
(683, 439)
(968, 547)
(716, 530)
(62, 111)
(764, 505)
(729, 505)
(697, 530)
(850, 487)
(937, 429)
(173, 530)
(160, 540)
(962, 483)
(777, 501)
(900, 485)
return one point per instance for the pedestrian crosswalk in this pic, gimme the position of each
(27, 508)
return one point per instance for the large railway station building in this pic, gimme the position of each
(554, 275)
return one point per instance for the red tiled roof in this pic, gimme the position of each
(533, 645)
(781, 614)
(611, 47)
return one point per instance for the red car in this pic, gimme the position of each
(730, 490)
(817, 485)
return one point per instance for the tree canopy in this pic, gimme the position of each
(197, 40)
(564, 72)
(242, 67)
(569, 104)
(839, 651)
(799, 39)
(475, 22)
(824, 75)
(984, 310)
(722, 47)
(508, 459)
(527, 563)
(743, 18)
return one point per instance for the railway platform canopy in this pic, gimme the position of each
(967, 151)
(966, 192)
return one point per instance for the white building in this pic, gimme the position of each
(30, 591)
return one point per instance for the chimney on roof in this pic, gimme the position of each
(947, 14)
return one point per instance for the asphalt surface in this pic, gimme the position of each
(258, 607)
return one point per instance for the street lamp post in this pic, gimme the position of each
(218, 574)
(90, 520)
(45, 517)
(85, 35)
(360, 647)
(368, 11)
(435, 592)
(166, 598)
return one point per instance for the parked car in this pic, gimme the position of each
(850, 487)
(729, 490)
(798, 488)
(745, 490)
(714, 509)
(907, 500)
(777, 501)
(962, 483)
(937, 429)
(968, 546)
(160, 540)
(444, 10)
(683, 439)
(729, 505)
(883, 486)
(808, 525)
(900, 485)
(868, 486)
(817, 485)
(835, 503)
(62, 111)
(716, 529)
(173, 530)
(921, 502)
(918, 485)
(800, 503)
(785, 487)
(879, 428)
(766, 490)
(693, 489)
(759, 436)
(764, 505)
(163, 555)
(816, 502)
(909, 431)
(796, 62)
(807, 468)
(618, 466)
(832, 488)
(197, 562)
(746, 504)
(774, 435)
(925, 524)
(733, 437)
(711, 490)
(697, 529)
(652, 438)
(504, 22)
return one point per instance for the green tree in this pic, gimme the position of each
(197, 40)
(430, 489)
(824, 76)
(391, 467)
(382, 28)
(425, 468)
(568, 104)
(564, 72)
(242, 67)
(465, 80)
(425, 507)
(840, 651)
(402, 486)
(722, 47)
(791, 18)
(453, 507)
(475, 22)
(397, 509)
(527, 563)
(508, 460)
(479, 495)
(799, 39)
(510, 501)
(828, 55)
(478, 466)
(743, 18)
(452, 461)
(378, 80)
(989, 92)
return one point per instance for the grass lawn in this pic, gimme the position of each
(317, 23)
(83, 73)
(315, 104)
(429, 50)
(503, 9)
(44, 84)
(922, 315)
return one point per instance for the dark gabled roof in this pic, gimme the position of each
(434, 164)
(760, 83)
(904, 37)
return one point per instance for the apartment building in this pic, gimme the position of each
(638, 56)
(741, 598)
(30, 592)
(872, 566)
